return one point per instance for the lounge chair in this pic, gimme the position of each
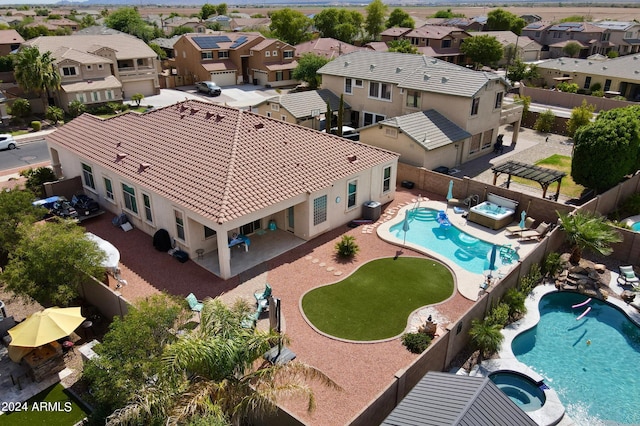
(262, 297)
(515, 229)
(629, 277)
(535, 234)
(195, 304)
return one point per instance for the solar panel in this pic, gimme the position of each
(210, 42)
(534, 26)
(239, 42)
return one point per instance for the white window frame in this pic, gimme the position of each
(87, 176)
(358, 83)
(415, 95)
(206, 54)
(148, 210)
(275, 107)
(223, 54)
(69, 71)
(287, 54)
(80, 97)
(378, 87)
(274, 53)
(89, 67)
(130, 201)
(386, 180)
(352, 196)
(280, 75)
(348, 86)
(267, 54)
(181, 227)
(499, 98)
(108, 189)
(95, 96)
(374, 117)
(108, 94)
(475, 106)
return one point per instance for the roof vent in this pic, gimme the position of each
(604, 68)
(352, 158)
(445, 79)
(576, 61)
(426, 77)
(143, 167)
(637, 72)
(635, 58)
(219, 117)
(194, 110)
(120, 156)
(372, 67)
(183, 108)
(398, 69)
(346, 63)
(434, 61)
(208, 115)
(590, 63)
(258, 126)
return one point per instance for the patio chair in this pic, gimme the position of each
(251, 320)
(536, 234)
(262, 297)
(195, 304)
(515, 229)
(629, 277)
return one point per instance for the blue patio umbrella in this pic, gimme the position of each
(405, 226)
(450, 192)
(492, 259)
(523, 216)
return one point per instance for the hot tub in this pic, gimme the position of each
(495, 213)
(527, 394)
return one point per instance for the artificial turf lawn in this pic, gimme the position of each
(375, 301)
(556, 162)
(50, 415)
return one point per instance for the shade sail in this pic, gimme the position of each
(112, 258)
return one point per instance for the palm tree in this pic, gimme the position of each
(485, 336)
(588, 231)
(36, 72)
(214, 372)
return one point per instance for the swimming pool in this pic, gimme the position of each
(591, 363)
(520, 389)
(636, 226)
(465, 250)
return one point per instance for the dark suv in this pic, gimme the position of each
(84, 204)
(208, 87)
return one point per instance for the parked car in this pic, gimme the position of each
(208, 87)
(7, 141)
(58, 206)
(347, 132)
(84, 204)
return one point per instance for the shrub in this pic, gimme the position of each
(515, 299)
(612, 54)
(567, 87)
(499, 315)
(595, 87)
(545, 121)
(35, 179)
(552, 264)
(598, 93)
(77, 108)
(20, 108)
(137, 98)
(347, 246)
(36, 125)
(54, 114)
(532, 279)
(416, 342)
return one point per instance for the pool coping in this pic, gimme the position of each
(631, 220)
(467, 283)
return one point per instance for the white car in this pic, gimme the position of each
(7, 141)
(347, 132)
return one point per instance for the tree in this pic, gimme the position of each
(340, 115)
(221, 9)
(502, 20)
(20, 108)
(447, 14)
(213, 371)
(15, 208)
(545, 121)
(400, 18)
(159, 51)
(125, 19)
(36, 72)
(482, 50)
(374, 22)
(580, 116)
(485, 336)
(607, 150)
(341, 24)
(403, 46)
(572, 49)
(525, 101)
(207, 10)
(76, 108)
(308, 66)
(328, 121)
(567, 87)
(520, 71)
(88, 21)
(50, 262)
(137, 98)
(290, 26)
(36, 178)
(588, 231)
(182, 29)
(6, 63)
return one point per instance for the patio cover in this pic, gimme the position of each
(543, 176)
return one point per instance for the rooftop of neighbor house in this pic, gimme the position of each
(124, 46)
(621, 67)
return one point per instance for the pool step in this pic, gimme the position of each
(423, 214)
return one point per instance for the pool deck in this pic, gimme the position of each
(467, 283)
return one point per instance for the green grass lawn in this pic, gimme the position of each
(556, 162)
(374, 302)
(33, 412)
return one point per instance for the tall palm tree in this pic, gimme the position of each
(214, 371)
(486, 336)
(588, 231)
(36, 72)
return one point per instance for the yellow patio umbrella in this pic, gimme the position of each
(46, 326)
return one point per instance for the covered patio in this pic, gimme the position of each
(542, 175)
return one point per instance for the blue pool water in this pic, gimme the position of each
(598, 381)
(520, 389)
(465, 250)
(636, 226)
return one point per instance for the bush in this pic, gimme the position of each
(54, 114)
(35, 179)
(416, 342)
(532, 279)
(77, 108)
(36, 125)
(499, 315)
(552, 264)
(598, 93)
(545, 121)
(347, 246)
(595, 87)
(20, 108)
(567, 87)
(612, 54)
(515, 299)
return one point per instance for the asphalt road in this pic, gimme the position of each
(24, 155)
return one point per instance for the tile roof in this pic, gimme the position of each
(109, 82)
(10, 37)
(301, 104)
(624, 67)
(429, 129)
(505, 37)
(325, 46)
(124, 45)
(583, 27)
(284, 66)
(395, 31)
(64, 53)
(378, 46)
(219, 162)
(433, 31)
(410, 71)
(225, 65)
(98, 30)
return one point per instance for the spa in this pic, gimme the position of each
(495, 213)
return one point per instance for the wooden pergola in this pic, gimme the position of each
(543, 176)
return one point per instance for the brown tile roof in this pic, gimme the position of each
(395, 31)
(124, 45)
(285, 66)
(10, 37)
(220, 66)
(219, 162)
(109, 82)
(432, 31)
(325, 46)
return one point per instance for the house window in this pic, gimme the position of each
(274, 53)
(108, 94)
(446, 43)
(475, 143)
(140, 62)
(275, 107)
(487, 139)
(251, 53)
(268, 113)
(587, 82)
(87, 174)
(475, 104)
(415, 41)
(371, 118)
(413, 99)
(359, 83)
(147, 208)
(206, 55)
(283, 117)
(95, 96)
(352, 192)
(537, 34)
(391, 133)
(80, 97)
(386, 179)
(99, 66)
(267, 54)
(379, 90)
(223, 54)
(319, 210)
(348, 85)
(606, 36)
(499, 96)
(628, 34)
(250, 227)
(287, 54)
(179, 225)
(208, 232)
(279, 76)
(129, 196)
(67, 71)
(607, 85)
(108, 187)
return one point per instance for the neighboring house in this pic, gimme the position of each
(624, 35)
(166, 44)
(222, 20)
(437, 41)
(616, 76)
(328, 48)
(383, 85)
(64, 23)
(531, 18)
(378, 46)
(234, 58)
(554, 37)
(526, 49)
(204, 172)
(195, 25)
(468, 24)
(10, 40)
(101, 68)
(304, 108)
(249, 24)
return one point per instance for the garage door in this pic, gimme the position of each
(132, 87)
(224, 78)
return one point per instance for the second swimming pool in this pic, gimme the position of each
(461, 248)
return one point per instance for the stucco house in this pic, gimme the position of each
(205, 172)
(554, 37)
(526, 49)
(101, 68)
(625, 35)
(442, 42)
(383, 85)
